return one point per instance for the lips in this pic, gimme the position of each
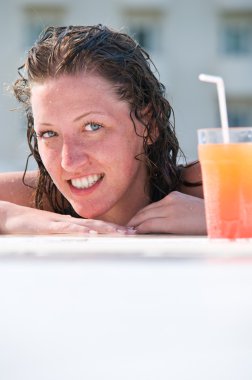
(87, 181)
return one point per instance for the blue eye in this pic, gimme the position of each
(46, 134)
(92, 127)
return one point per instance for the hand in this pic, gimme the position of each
(15, 219)
(177, 213)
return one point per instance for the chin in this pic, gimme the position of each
(89, 212)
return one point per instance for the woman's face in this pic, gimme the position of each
(88, 145)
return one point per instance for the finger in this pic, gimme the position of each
(104, 227)
(155, 226)
(61, 227)
(170, 226)
(169, 199)
(98, 226)
(145, 214)
(158, 207)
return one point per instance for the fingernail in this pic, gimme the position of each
(121, 231)
(131, 230)
(92, 232)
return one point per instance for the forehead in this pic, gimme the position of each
(74, 83)
(72, 88)
(75, 94)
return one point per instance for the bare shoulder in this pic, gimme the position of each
(192, 180)
(12, 188)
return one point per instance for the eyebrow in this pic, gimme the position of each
(78, 118)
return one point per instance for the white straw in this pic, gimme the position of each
(222, 102)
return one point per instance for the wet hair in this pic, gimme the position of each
(118, 58)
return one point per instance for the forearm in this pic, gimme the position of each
(12, 188)
(16, 219)
(191, 180)
(3, 215)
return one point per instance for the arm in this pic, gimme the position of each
(16, 219)
(177, 213)
(180, 212)
(191, 180)
(13, 190)
(18, 215)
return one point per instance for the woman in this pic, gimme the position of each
(99, 128)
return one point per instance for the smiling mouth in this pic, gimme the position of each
(86, 182)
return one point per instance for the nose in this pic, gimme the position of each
(73, 155)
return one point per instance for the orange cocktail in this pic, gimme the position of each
(227, 184)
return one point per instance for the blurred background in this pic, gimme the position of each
(183, 37)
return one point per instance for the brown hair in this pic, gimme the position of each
(118, 58)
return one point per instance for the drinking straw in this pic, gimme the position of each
(222, 102)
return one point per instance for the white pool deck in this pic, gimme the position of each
(125, 308)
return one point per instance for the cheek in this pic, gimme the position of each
(48, 156)
(128, 157)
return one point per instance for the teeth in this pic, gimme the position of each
(86, 182)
